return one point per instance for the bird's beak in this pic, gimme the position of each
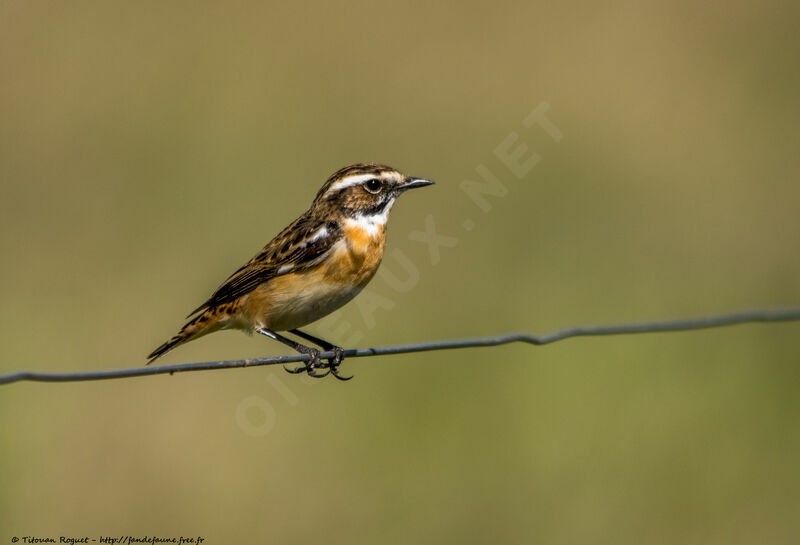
(411, 183)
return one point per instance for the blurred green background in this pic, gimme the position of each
(148, 149)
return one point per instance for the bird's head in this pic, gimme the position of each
(365, 190)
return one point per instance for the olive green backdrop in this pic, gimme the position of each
(148, 149)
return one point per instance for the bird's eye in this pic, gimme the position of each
(373, 185)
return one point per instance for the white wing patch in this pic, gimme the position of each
(322, 232)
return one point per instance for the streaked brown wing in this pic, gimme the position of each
(295, 248)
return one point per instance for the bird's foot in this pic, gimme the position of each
(310, 365)
(335, 361)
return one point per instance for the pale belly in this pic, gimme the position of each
(305, 304)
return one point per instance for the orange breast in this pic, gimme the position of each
(356, 258)
(293, 300)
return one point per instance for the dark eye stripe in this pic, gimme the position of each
(375, 209)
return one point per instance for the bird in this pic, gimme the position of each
(318, 263)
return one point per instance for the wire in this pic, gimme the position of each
(590, 331)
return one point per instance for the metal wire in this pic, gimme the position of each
(651, 327)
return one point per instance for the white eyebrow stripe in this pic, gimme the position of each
(350, 181)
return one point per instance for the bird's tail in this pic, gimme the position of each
(204, 323)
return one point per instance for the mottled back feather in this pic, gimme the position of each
(288, 252)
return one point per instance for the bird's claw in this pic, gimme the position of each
(310, 365)
(335, 361)
(332, 366)
(296, 370)
(335, 372)
(311, 373)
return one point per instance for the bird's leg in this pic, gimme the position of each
(338, 353)
(308, 366)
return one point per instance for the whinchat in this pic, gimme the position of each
(318, 263)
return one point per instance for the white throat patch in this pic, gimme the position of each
(372, 224)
